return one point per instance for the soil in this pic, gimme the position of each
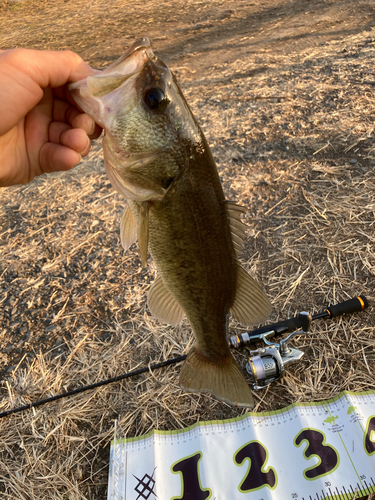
(284, 91)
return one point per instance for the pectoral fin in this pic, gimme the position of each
(251, 305)
(223, 379)
(163, 305)
(128, 228)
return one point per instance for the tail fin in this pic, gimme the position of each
(224, 380)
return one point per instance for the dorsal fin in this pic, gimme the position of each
(163, 305)
(251, 305)
(237, 227)
(128, 228)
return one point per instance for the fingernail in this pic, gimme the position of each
(93, 128)
(80, 159)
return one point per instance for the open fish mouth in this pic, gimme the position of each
(133, 58)
(129, 63)
(117, 79)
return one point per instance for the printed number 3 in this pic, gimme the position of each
(328, 456)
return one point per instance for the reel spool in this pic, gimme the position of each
(267, 364)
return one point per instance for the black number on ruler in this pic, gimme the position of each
(370, 429)
(191, 485)
(329, 458)
(256, 476)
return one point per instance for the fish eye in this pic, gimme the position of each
(155, 99)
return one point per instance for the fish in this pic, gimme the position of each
(158, 158)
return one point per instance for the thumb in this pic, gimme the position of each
(25, 73)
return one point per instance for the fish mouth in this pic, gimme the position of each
(129, 63)
(91, 93)
(132, 60)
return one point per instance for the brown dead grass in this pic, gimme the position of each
(293, 135)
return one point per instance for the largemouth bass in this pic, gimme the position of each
(157, 157)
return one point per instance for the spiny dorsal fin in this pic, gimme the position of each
(163, 305)
(237, 227)
(143, 231)
(251, 305)
(128, 228)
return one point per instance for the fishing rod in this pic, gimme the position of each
(265, 365)
(356, 304)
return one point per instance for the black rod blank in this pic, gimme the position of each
(94, 386)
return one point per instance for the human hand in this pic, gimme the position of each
(41, 129)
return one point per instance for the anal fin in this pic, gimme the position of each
(224, 379)
(251, 305)
(163, 305)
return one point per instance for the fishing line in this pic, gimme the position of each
(356, 304)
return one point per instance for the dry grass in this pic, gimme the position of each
(293, 135)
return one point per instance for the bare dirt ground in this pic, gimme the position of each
(284, 91)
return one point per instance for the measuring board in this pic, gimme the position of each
(311, 451)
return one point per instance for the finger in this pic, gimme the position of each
(77, 140)
(51, 68)
(64, 94)
(87, 124)
(64, 112)
(55, 130)
(24, 73)
(56, 158)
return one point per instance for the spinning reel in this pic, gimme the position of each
(267, 364)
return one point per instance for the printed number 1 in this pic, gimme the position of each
(191, 486)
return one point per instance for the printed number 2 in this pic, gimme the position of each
(327, 455)
(255, 477)
(370, 432)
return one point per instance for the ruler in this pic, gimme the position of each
(311, 451)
